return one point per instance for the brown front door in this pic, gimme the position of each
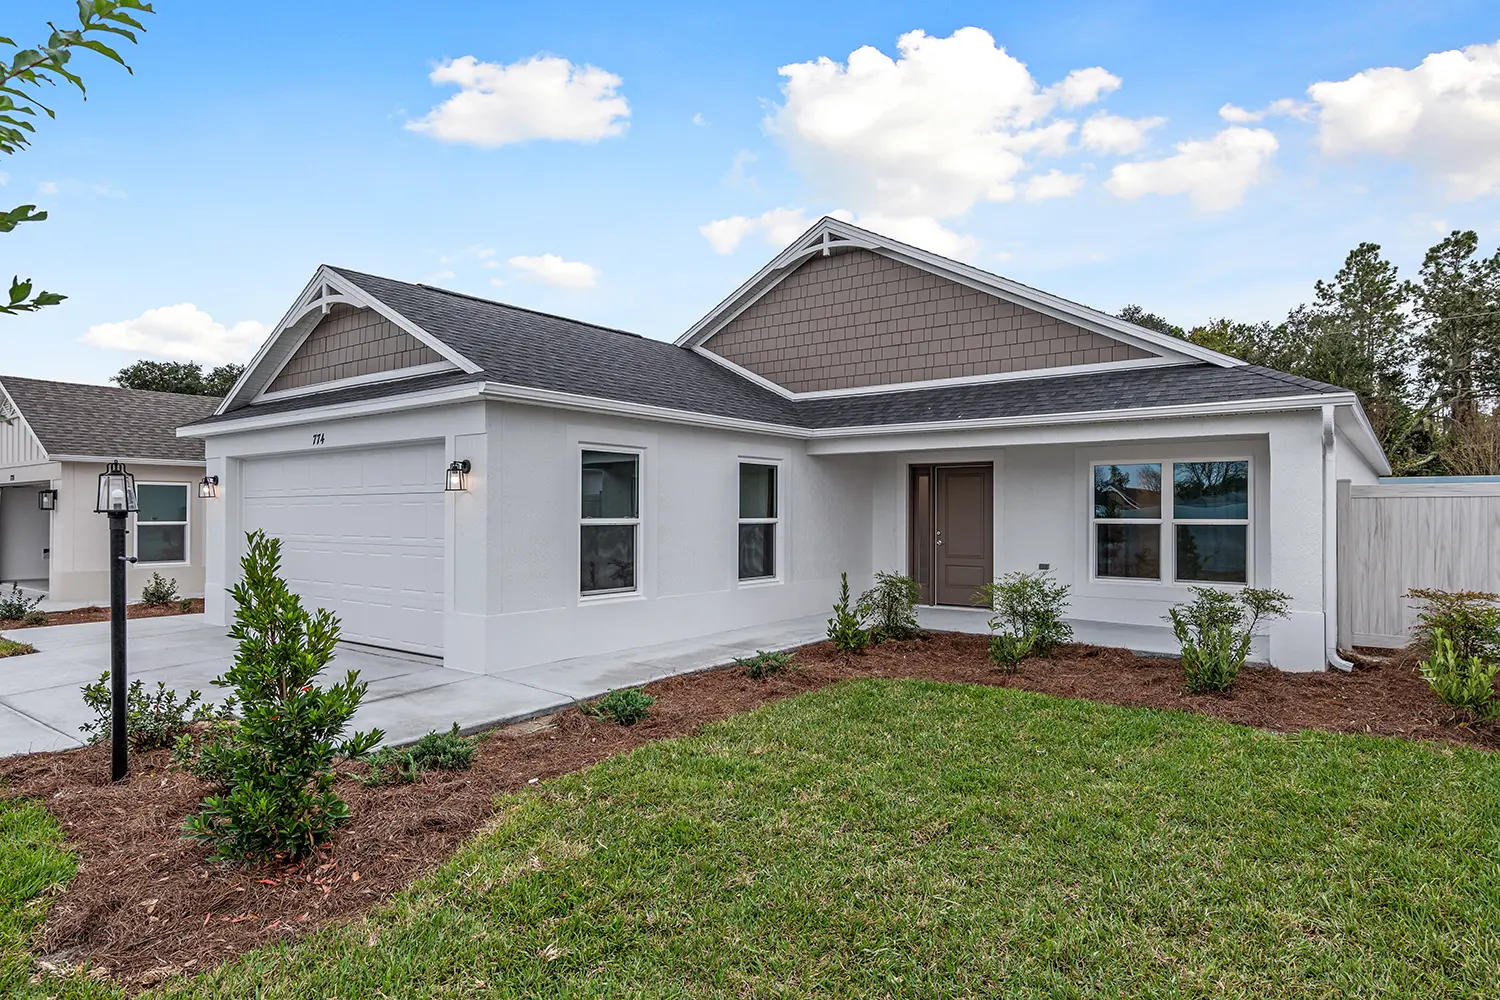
(952, 535)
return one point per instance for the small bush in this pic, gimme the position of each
(185, 606)
(1028, 606)
(9, 647)
(625, 706)
(35, 618)
(1007, 650)
(1469, 619)
(436, 751)
(846, 629)
(15, 606)
(890, 607)
(159, 592)
(763, 664)
(1465, 684)
(1215, 630)
(153, 720)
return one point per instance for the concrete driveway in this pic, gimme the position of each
(41, 708)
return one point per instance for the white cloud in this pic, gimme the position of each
(923, 232)
(553, 270)
(47, 187)
(1286, 107)
(1214, 173)
(739, 174)
(698, 119)
(1443, 115)
(1106, 133)
(1085, 86)
(544, 97)
(779, 226)
(181, 332)
(1052, 184)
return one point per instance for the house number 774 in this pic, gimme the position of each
(317, 438)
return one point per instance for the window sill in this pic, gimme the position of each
(767, 581)
(610, 598)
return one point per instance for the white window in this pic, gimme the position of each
(758, 521)
(1211, 521)
(1195, 523)
(161, 525)
(610, 525)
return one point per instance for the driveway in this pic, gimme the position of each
(41, 708)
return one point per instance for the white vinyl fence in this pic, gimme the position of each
(1401, 535)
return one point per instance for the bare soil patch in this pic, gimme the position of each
(96, 614)
(145, 902)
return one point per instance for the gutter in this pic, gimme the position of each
(1330, 545)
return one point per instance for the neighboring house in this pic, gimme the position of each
(59, 437)
(858, 405)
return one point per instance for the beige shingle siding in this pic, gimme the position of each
(350, 342)
(856, 319)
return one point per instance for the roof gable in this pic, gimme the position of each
(351, 342)
(71, 420)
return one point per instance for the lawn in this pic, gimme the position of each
(904, 838)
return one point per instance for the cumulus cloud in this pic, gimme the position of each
(181, 332)
(1214, 173)
(923, 232)
(1085, 86)
(779, 226)
(553, 270)
(1106, 133)
(1286, 107)
(1052, 184)
(1443, 115)
(544, 97)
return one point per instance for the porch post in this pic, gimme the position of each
(1296, 537)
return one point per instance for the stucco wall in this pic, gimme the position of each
(25, 533)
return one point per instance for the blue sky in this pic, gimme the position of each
(190, 202)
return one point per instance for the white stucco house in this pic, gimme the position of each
(857, 405)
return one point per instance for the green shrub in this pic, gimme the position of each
(15, 606)
(185, 606)
(153, 720)
(436, 751)
(1215, 629)
(1028, 606)
(625, 706)
(763, 664)
(9, 647)
(846, 629)
(890, 607)
(202, 753)
(1465, 684)
(35, 618)
(158, 591)
(276, 766)
(1469, 619)
(1007, 650)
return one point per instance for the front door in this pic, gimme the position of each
(952, 532)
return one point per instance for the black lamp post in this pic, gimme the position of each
(117, 499)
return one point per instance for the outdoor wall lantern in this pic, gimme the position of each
(117, 499)
(458, 474)
(209, 488)
(46, 499)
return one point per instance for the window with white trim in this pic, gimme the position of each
(758, 521)
(610, 522)
(1127, 521)
(161, 524)
(1211, 521)
(1196, 523)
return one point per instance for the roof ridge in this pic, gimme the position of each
(112, 388)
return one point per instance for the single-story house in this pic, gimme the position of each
(857, 405)
(58, 437)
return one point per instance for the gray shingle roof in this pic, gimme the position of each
(537, 350)
(103, 421)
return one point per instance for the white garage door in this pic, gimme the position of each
(361, 535)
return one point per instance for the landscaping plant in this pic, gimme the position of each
(185, 606)
(153, 720)
(15, 606)
(624, 706)
(35, 618)
(763, 664)
(158, 591)
(1007, 650)
(1215, 629)
(1469, 619)
(846, 629)
(276, 765)
(1466, 684)
(436, 751)
(9, 647)
(1029, 608)
(890, 607)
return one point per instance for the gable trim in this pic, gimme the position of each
(11, 407)
(435, 368)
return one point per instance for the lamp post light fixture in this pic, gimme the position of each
(208, 488)
(458, 474)
(46, 499)
(117, 499)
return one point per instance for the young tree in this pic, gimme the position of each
(1458, 344)
(1360, 326)
(22, 75)
(186, 377)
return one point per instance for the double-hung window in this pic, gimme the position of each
(1211, 521)
(758, 521)
(1127, 521)
(610, 525)
(1189, 518)
(161, 525)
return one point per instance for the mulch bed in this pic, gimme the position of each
(146, 904)
(96, 614)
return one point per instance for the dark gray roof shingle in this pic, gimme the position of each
(103, 421)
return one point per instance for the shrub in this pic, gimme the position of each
(890, 607)
(276, 766)
(846, 629)
(763, 664)
(625, 706)
(436, 751)
(153, 720)
(1465, 684)
(15, 606)
(9, 647)
(185, 606)
(35, 618)
(1215, 629)
(1007, 650)
(1469, 619)
(1028, 606)
(158, 591)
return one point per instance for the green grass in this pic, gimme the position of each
(33, 862)
(910, 839)
(9, 647)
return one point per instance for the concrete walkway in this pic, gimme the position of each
(41, 708)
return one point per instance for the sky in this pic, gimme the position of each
(632, 164)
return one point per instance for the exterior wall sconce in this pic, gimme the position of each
(208, 489)
(458, 474)
(116, 491)
(46, 499)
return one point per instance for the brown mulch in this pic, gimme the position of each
(145, 902)
(96, 614)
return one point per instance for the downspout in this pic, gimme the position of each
(1330, 546)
